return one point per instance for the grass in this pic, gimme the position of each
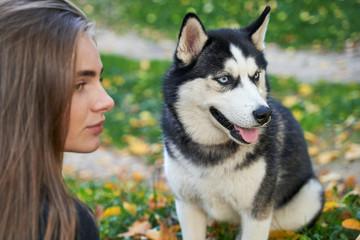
(296, 24)
(328, 113)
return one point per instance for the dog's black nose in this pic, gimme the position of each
(262, 114)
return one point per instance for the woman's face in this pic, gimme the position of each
(89, 101)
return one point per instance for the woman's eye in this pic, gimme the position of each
(79, 85)
(223, 80)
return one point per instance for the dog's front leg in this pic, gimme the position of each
(253, 228)
(192, 221)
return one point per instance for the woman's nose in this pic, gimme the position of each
(103, 102)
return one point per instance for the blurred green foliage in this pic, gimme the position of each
(135, 87)
(308, 23)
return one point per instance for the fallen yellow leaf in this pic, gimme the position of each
(137, 146)
(298, 114)
(68, 169)
(342, 137)
(157, 202)
(119, 80)
(290, 101)
(106, 83)
(110, 186)
(283, 235)
(130, 207)
(110, 211)
(327, 157)
(330, 195)
(145, 64)
(331, 205)
(357, 126)
(138, 176)
(351, 223)
(305, 89)
(310, 137)
(313, 150)
(161, 186)
(353, 152)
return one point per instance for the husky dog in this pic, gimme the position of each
(233, 153)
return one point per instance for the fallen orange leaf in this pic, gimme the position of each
(351, 223)
(167, 233)
(350, 181)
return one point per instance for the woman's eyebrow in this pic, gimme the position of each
(88, 73)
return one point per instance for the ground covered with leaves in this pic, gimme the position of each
(136, 210)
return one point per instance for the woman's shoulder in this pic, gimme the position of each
(87, 227)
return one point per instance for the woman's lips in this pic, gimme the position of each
(96, 128)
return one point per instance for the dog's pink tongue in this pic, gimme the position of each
(250, 135)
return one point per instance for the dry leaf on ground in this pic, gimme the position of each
(283, 235)
(110, 211)
(353, 153)
(139, 227)
(351, 223)
(327, 157)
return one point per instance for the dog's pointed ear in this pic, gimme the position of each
(257, 29)
(192, 39)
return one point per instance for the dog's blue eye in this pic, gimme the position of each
(256, 76)
(223, 80)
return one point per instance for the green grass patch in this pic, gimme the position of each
(295, 24)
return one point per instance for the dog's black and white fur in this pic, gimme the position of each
(233, 153)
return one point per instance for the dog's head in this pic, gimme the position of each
(217, 84)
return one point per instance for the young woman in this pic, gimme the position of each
(51, 101)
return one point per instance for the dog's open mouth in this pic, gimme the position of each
(244, 135)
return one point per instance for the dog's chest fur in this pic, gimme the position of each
(223, 190)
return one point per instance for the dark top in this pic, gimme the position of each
(86, 225)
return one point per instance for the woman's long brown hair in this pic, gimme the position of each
(37, 57)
